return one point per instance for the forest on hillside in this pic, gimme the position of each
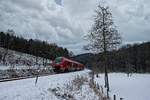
(34, 47)
(129, 58)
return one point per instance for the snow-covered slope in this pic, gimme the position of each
(17, 64)
(53, 87)
(18, 59)
(136, 87)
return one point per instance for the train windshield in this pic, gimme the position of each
(58, 60)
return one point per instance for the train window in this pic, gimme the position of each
(58, 60)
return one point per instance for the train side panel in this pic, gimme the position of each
(65, 64)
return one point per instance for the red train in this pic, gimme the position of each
(64, 64)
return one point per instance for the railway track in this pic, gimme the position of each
(20, 78)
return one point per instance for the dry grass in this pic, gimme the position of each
(79, 81)
(75, 87)
(98, 90)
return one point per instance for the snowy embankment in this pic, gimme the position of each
(135, 87)
(16, 64)
(19, 60)
(65, 86)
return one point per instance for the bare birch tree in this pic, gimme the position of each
(103, 36)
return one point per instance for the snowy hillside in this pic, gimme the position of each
(17, 64)
(10, 57)
(135, 87)
(67, 86)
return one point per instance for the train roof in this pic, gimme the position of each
(69, 60)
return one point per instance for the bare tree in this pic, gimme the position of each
(103, 36)
(71, 54)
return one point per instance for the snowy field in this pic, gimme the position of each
(136, 87)
(27, 90)
(56, 87)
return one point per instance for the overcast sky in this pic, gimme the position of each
(65, 22)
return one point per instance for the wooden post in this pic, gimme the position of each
(114, 97)
(37, 76)
(36, 79)
(102, 90)
(107, 93)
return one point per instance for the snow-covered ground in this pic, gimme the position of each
(60, 87)
(19, 60)
(136, 87)
(53, 87)
(17, 64)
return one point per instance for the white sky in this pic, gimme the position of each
(66, 22)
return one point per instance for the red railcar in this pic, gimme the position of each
(65, 64)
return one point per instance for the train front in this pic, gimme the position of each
(57, 63)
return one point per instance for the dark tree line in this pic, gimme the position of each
(129, 58)
(34, 47)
